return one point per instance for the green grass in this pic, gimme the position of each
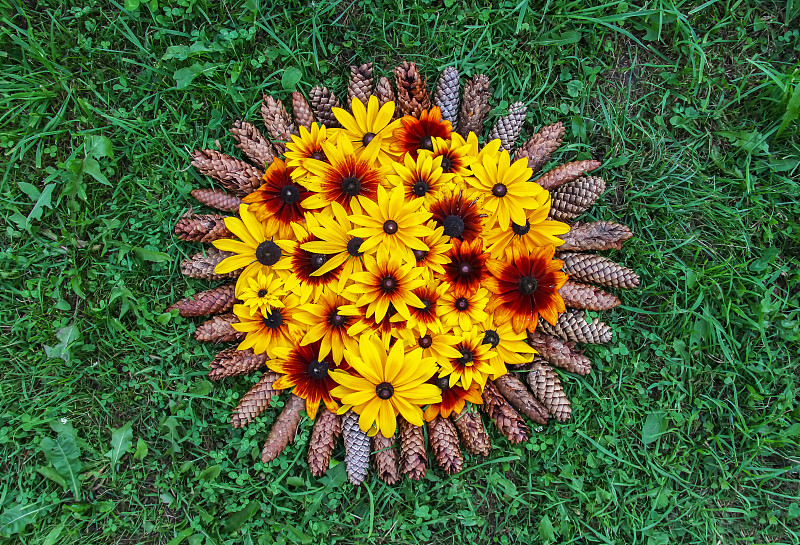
(688, 430)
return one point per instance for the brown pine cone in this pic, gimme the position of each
(508, 127)
(254, 144)
(279, 124)
(507, 420)
(385, 93)
(386, 459)
(473, 434)
(193, 227)
(444, 443)
(213, 301)
(284, 429)
(574, 198)
(474, 106)
(560, 353)
(356, 449)
(413, 459)
(303, 116)
(585, 296)
(540, 147)
(327, 428)
(255, 401)
(412, 92)
(515, 392)
(360, 84)
(566, 173)
(217, 199)
(595, 235)
(234, 175)
(323, 102)
(598, 270)
(446, 95)
(219, 330)
(201, 265)
(572, 326)
(231, 362)
(547, 387)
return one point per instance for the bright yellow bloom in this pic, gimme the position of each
(422, 179)
(335, 242)
(463, 311)
(510, 347)
(456, 154)
(328, 321)
(365, 123)
(439, 346)
(263, 291)
(438, 245)
(475, 361)
(305, 147)
(537, 231)
(268, 330)
(307, 264)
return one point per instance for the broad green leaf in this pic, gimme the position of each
(141, 449)
(765, 260)
(121, 441)
(67, 335)
(546, 529)
(654, 426)
(150, 255)
(16, 517)
(30, 190)
(291, 77)
(97, 146)
(792, 110)
(210, 473)
(235, 520)
(52, 474)
(64, 456)
(92, 168)
(44, 200)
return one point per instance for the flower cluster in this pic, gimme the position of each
(392, 267)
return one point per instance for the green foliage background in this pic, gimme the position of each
(686, 432)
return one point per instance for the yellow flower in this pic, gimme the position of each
(390, 383)
(365, 123)
(537, 231)
(306, 264)
(262, 291)
(456, 154)
(268, 330)
(305, 147)
(463, 311)
(438, 245)
(510, 347)
(422, 179)
(439, 346)
(425, 318)
(476, 361)
(328, 321)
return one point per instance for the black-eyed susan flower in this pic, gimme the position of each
(424, 318)
(454, 398)
(263, 291)
(439, 346)
(460, 215)
(305, 147)
(277, 203)
(333, 322)
(536, 232)
(415, 134)
(422, 178)
(266, 331)
(474, 362)
(366, 123)
(433, 259)
(306, 264)
(455, 153)
(463, 311)
(509, 345)
(466, 266)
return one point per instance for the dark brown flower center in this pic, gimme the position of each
(521, 229)
(466, 356)
(353, 246)
(443, 383)
(453, 226)
(464, 268)
(367, 138)
(421, 188)
(336, 319)
(319, 156)
(527, 285)
(318, 370)
(425, 342)
(318, 260)
(268, 253)
(420, 255)
(447, 163)
(384, 390)
(274, 319)
(290, 194)
(388, 284)
(462, 304)
(351, 186)
(390, 227)
(491, 337)
(426, 304)
(262, 293)
(426, 143)
(499, 190)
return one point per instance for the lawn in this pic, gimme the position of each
(688, 429)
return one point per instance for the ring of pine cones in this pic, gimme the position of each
(533, 391)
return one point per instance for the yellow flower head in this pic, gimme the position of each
(333, 321)
(456, 154)
(366, 123)
(463, 311)
(262, 291)
(509, 346)
(305, 147)
(474, 362)
(266, 331)
(422, 179)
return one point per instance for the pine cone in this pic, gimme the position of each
(444, 442)
(573, 199)
(254, 144)
(386, 459)
(255, 401)
(284, 429)
(303, 116)
(517, 394)
(413, 459)
(323, 102)
(213, 301)
(473, 435)
(560, 353)
(508, 127)
(446, 95)
(412, 92)
(507, 420)
(234, 175)
(219, 330)
(598, 270)
(566, 173)
(547, 387)
(279, 124)
(540, 147)
(572, 326)
(577, 295)
(356, 449)
(474, 106)
(201, 265)
(218, 199)
(360, 85)
(193, 227)
(385, 93)
(231, 362)
(595, 235)
(327, 428)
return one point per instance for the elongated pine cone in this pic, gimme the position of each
(508, 127)
(560, 353)
(284, 429)
(303, 116)
(413, 458)
(323, 101)
(255, 401)
(193, 227)
(474, 106)
(566, 173)
(213, 301)
(598, 270)
(252, 143)
(234, 175)
(595, 235)
(360, 84)
(386, 459)
(574, 198)
(201, 265)
(385, 92)
(327, 428)
(473, 434)
(219, 330)
(276, 119)
(412, 92)
(541, 146)
(547, 387)
(577, 295)
(507, 420)
(572, 326)
(356, 449)
(217, 199)
(446, 95)
(516, 393)
(444, 443)
(231, 362)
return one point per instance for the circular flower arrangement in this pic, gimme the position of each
(391, 270)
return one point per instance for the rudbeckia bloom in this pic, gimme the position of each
(415, 134)
(526, 287)
(462, 310)
(466, 267)
(455, 154)
(459, 214)
(276, 203)
(306, 264)
(425, 317)
(365, 123)
(261, 291)
(511, 347)
(439, 346)
(536, 232)
(438, 245)
(474, 362)
(268, 330)
(305, 147)
(453, 399)
(388, 384)
(422, 178)
(328, 322)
